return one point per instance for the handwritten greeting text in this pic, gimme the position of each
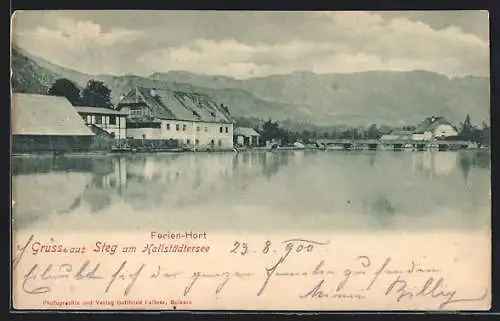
(300, 269)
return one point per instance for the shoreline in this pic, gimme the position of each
(262, 149)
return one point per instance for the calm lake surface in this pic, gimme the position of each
(258, 191)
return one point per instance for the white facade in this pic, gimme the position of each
(144, 133)
(113, 122)
(445, 130)
(189, 133)
(422, 136)
(115, 125)
(441, 131)
(389, 137)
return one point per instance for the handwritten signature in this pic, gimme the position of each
(399, 287)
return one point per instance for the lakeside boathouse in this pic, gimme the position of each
(245, 136)
(43, 123)
(191, 119)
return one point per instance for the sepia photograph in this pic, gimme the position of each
(197, 131)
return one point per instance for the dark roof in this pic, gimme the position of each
(98, 110)
(430, 124)
(245, 131)
(46, 115)
(170, 104)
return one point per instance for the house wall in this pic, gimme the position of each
(389, 137)
(445, 130)
(422, 136)
(104, 122)
(137, 112)
(250, 141)
(144, 133)
(198, 134)
(44, 143)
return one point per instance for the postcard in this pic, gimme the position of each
(251, 160)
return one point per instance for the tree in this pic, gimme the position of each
(270, 131)
(372, 132)
(66, 88)
(96, 94)
(467, 129)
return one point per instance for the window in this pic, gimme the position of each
(112, 120)
(197, 142)
(220, 129)
(177, 127)
(206, 129)
(136, 112)
(168, 126)
(98, 120)
(183, 128)
(197, 128)
(220, 143)
(212, 142)
(227, 129)
(188, 141)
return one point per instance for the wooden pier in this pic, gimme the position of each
(374, 144)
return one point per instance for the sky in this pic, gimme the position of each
(246, 44)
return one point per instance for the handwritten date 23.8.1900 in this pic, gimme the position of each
(296, 245)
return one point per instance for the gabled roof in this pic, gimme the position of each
(46, 115)
(170, 104)
(245, 131)
(430, 124)
(99, 110)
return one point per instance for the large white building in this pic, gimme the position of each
(192, 119)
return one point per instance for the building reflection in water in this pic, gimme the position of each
(467, 161)
(291, 182)
(272, 162)
(143, 181)
(434, 162)
(443, 163)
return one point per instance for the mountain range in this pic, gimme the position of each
(363, 98)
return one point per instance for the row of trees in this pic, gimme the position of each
(95, 93)
(271, 130)
(479, 134)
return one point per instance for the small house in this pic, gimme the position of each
(47, 123)
(244, 136)
(111, 121)
(434, 128)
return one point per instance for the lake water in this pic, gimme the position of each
(257, 191)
